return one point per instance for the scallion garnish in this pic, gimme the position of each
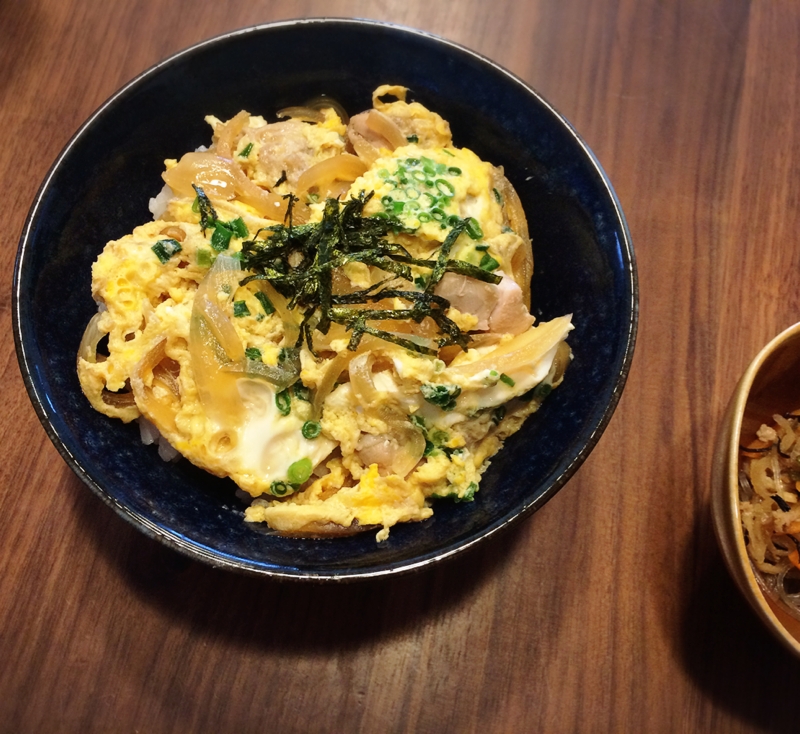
(443, 396)
(240, 309)
(204, 257)
(253, 353)
(301, 392)
(283, 402)
(245, 152)
(279, 489)
(474, 229)
(488, 263)
(238, 227)
(221, 237)
(266, 304)
(165, 249)
(504, 378)
(299, 471)
(311, 429)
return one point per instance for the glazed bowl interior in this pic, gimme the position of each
(768, 386)
(98, 190)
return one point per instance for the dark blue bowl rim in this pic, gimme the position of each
(197, 551)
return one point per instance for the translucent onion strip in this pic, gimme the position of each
(91, 338)
(304, 114)
(161, 408)
(384, 126)
(340, 168)
(226, 135)
(522, 259)
(523, 350)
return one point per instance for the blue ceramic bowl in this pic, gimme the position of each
(98, 190)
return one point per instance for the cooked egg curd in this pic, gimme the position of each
(333, 313)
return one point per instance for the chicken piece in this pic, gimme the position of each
(499, 308)
(293, 147)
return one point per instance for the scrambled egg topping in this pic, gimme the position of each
(347, 436)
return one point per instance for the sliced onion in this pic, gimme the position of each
(365, 150)
(514, 214)
(123, 399)
(289, 317)
(325, 386)
(323, 102)
(226, 135)
(524, 349)
(361, 380)
(91, 338)
(322, 175)
(223, 277)
(159, 410)
(305, 114)
(387, 128)
(212, 173)
(214, 345)
(398, 451)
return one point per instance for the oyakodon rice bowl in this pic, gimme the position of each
(334, 312)
(98, 190)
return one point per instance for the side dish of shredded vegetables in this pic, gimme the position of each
(769, 485)
(333, 312)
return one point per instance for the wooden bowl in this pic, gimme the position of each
(770, 385)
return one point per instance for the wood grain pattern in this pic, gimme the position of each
(610, 609)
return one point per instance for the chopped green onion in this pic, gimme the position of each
(301, 392)
(412, 138)
(474, 229)
(300, 471)
(253, 353)
(283, 402)
(165, 249)
(279, 489)
(443, 396)
(311, 429)
(498, 196)
(238, 227)
(481, 248)
(313, 197)
(488, 263)
(506, 379)
(266, 304)
(469, 495)
(454, 171)
(246, 150)
(240, 309)
(221, 237)
(444, 187)
(204, 257)
(452, 155)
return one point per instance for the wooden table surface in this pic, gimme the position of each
(610, 609)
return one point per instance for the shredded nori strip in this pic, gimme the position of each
(299, 262)
(208, 215)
